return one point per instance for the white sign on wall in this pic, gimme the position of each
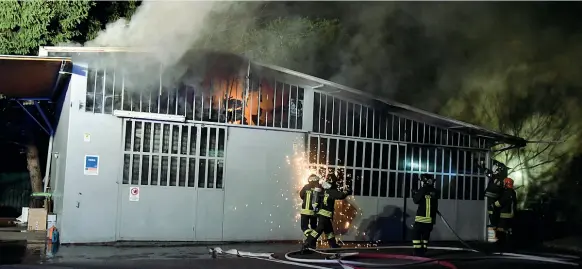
(91, 165)
(133, 194)
(87, 137)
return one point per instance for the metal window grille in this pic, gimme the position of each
(335, 116)
(259, 102)
(384, 169)
(167, 154)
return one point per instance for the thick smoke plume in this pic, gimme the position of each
(507, 66)
(168, 31)
(512, 67)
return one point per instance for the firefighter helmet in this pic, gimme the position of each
(313, 178)
(508, 183)
(427, 179)
(330, 181)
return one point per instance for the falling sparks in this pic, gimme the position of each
(345, 211)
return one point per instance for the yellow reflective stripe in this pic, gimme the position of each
(325, 213)
(506, 215)
(416, 241)
(307, 232)
(325, 196)
(307, 212)
(489, 212)
(425, 241)
(497, 204)
(427, 198)
(307, 200)
(330, 236)
(417, 246)
(313, 233)
(423, 219)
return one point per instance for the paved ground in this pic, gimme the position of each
(22, 255)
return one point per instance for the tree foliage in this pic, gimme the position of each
(26, 25)
(541, 111)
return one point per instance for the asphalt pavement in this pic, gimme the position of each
(28, 256)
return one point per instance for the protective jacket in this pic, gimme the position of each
(309, 198)
(507, 204)
(427, 200)
(494, 187)
(328, 202)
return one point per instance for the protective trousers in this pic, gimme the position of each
(503, 234)
(493, 213)
(308, 224)
(420, 237)
(324, 225)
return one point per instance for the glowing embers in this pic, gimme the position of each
(344, 216)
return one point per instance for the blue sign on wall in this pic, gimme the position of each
(91, 165)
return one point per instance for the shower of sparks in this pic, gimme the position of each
(345, 211)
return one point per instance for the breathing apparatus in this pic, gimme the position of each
(314, 179)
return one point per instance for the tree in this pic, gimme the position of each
(22, 134)
(543, 112)
(26, 25)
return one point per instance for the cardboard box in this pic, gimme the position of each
(37, 219)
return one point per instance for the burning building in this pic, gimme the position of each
(220, 154)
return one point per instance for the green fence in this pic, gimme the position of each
(15, 193)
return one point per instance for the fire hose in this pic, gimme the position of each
(343, 259)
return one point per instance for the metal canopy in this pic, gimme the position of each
(399, 109)
(29, 79)
(32, 78)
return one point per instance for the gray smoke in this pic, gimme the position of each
(168, 31)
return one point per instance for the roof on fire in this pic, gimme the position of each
(393, 107)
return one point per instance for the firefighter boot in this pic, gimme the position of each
(332, 243)
(313, 244)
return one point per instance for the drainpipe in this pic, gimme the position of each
(48, 163)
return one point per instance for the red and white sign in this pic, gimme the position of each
(133, 194)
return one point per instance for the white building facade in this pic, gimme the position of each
(222, 159)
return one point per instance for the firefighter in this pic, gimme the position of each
(325, 213)
(494, 189)
(310, 196)
(427, 200)
(507, 205)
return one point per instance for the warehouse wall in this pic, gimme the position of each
(262, 184)
(89, 208)
(59, 150)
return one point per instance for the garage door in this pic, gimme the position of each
(177, 171)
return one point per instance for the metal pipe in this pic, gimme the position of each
(33, 118)
(48, 163)
(45, 118)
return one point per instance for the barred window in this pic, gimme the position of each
(168, 154)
